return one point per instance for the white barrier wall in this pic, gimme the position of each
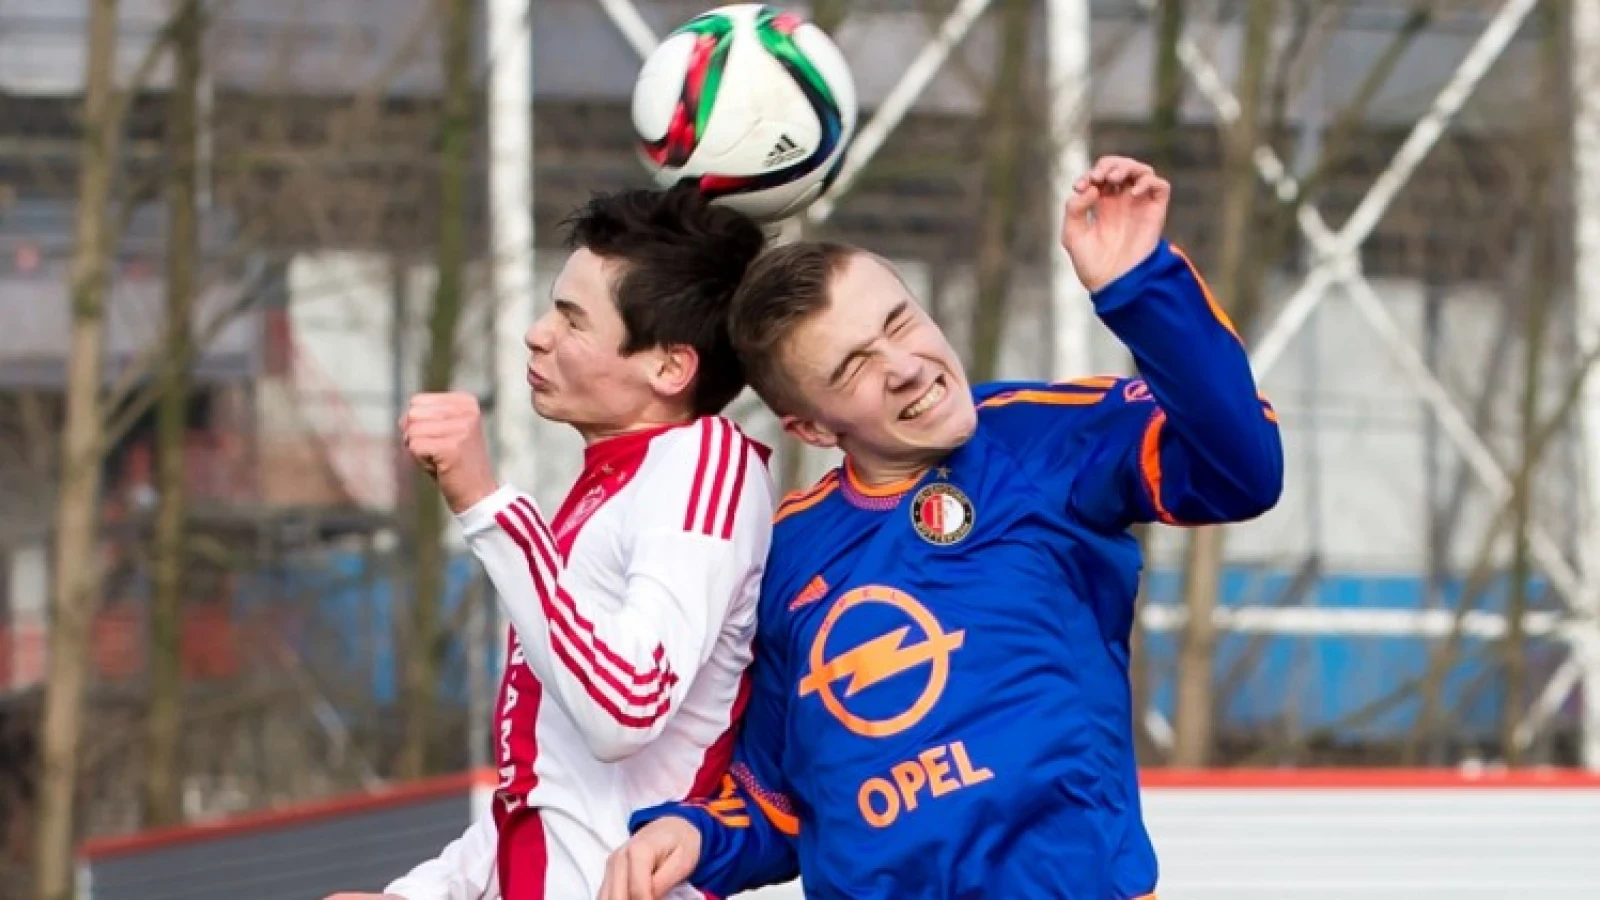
(1376, 836)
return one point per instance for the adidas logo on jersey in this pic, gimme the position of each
(785, 150)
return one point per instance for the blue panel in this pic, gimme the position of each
(1355, 687)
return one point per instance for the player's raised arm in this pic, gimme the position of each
(1202, 446)
(742, 838)
(619, 662)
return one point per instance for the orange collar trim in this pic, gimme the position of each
(878, 492)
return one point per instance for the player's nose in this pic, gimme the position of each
(904, 370)
(540, 334)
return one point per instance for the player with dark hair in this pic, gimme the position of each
(941, 703)
(633, 608)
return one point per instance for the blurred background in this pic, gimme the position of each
(235, 235)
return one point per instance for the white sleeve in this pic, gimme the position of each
(463, 870)
(698, 525)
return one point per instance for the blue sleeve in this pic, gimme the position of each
(1192, 442)
(748, 830)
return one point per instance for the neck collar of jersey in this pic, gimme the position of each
(611, 450)
(874, 496)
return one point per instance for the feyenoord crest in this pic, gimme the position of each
(941, 513)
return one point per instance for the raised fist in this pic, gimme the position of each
(444, 434)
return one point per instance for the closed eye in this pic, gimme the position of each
(573, 313)
(899, 318)
(849, 368)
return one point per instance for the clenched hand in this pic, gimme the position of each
(444, 434)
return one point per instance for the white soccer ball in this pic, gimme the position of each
(753, 103)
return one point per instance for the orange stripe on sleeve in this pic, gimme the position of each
(729, 819)
(1267, 410)
(822, 484)
(1211, 301)
(804, 500)
(1150, 464)
(727, 807)
(780, 820)
(1049, 398)
(1103, 382)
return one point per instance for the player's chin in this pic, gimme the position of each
(961, 423)
(550, 407)
(943, 429)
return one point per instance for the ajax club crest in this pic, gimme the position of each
(941, 513)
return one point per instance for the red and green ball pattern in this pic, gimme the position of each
(775, 29)
(707, 59)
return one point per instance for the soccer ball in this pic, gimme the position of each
(752, 103)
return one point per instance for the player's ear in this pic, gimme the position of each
(671, 370)
(809, 432)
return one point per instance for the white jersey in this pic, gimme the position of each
(632, 614)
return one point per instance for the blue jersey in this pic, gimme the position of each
(940, 704)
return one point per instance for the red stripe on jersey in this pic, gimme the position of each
(699, 474)
(521, 855)
(738, 488)
(662, 678)
(715, 763)
(661, 699)
(721, 478)
(525, 512)
(606, 703)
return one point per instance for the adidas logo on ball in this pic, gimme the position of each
(785, 150)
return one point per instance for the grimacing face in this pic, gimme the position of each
(576, 369)
(876, 375)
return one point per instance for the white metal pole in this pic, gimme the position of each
(631, 25)
(917, 74)
(1304, 621)
(1488, 48)
(510, 112)
(1067, 33)
(1586, 286)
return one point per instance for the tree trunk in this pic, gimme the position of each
(1546, 150)
(1164, 121)
(1002, 189)
(1193, 725)
(163, 799)
(1169, 84)
(76, 565)
(425, 643)
(1196, 707)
